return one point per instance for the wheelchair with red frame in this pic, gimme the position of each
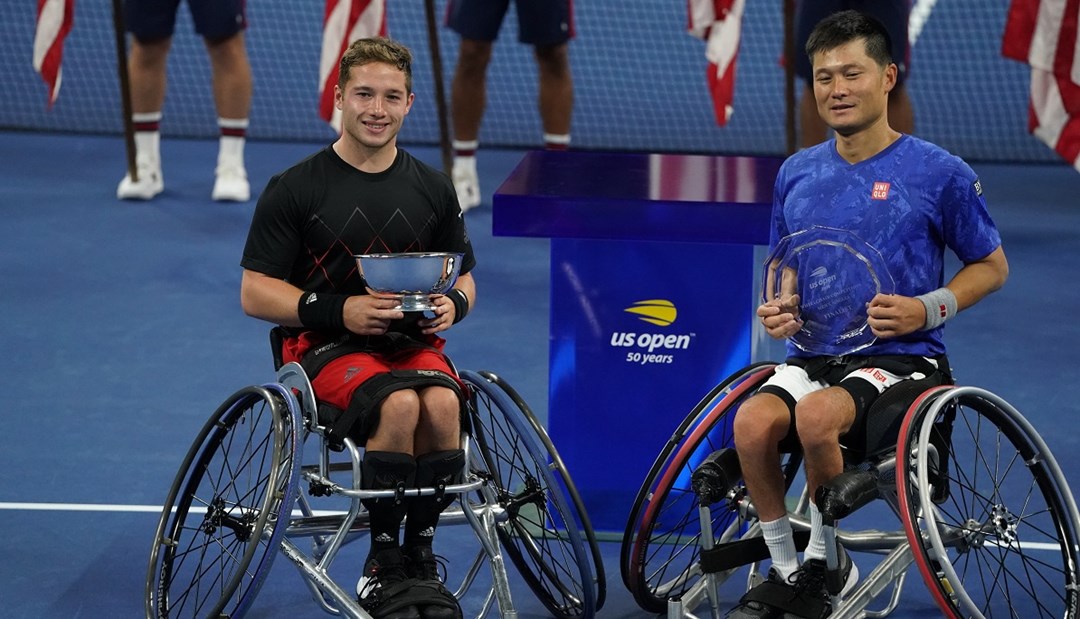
(984, 511)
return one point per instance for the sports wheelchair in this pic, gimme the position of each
(985, 513)
(236, 502)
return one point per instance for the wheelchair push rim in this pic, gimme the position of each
(663, 559)
(219, 529)
(993, 525)
(543, 532)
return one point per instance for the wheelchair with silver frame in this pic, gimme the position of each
(985, 513)
(244, 493)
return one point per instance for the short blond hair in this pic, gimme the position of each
(376, 49)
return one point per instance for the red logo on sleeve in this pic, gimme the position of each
(880, 191)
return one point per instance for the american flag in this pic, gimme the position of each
(344, 22)
(1043, 34)
(719, 23)
(54, 19)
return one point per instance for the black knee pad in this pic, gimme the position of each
(440, 469)
(387, 470)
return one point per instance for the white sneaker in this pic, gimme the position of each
(231, 184)
(466, 183)
(150, 184)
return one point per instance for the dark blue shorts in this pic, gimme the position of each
(893, 14)
(540, 22)
(156, 19)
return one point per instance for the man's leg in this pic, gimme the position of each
(821, 418)
(439, 463)
(389, 464)
(232, 86)
(556, 94)
(146, 72)
(468, 97)
(760, 424)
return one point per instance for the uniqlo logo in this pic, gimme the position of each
(881, 191)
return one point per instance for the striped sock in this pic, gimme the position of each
(465, 148)
(555, 141)
(231, 143)
(147, 137)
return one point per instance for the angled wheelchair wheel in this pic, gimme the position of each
(227, 509)
(661, 551)
(991, 519)
(546, 533)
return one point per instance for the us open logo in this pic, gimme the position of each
(659, 312)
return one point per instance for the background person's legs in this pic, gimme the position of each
(146, 71)
(556, 99)
(232, 87)
(468, 97)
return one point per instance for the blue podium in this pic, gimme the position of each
(652, 296)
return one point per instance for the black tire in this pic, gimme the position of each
(227, 509)
(543, 533)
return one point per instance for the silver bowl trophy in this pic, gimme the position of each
(827, 277)
(413, 276)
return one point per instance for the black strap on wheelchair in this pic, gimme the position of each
(371, 394)
(743, 552)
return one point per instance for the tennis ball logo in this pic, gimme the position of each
(654, 311)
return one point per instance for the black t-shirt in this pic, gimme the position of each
(312, 218)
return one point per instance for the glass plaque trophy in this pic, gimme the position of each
(826, 277)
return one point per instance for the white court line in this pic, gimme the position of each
(134, 509)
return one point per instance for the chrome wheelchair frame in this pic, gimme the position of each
(236, 502)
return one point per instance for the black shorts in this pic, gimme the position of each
(540, 22)
(868, 380)
(156, 19)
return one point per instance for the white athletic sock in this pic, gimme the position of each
(816, 548)
(781, 543)
(147, 138)
(231, 143)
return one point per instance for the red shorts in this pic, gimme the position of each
(375, 366)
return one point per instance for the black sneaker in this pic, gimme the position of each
(422, 563)
(383, 579)
(756, 603)
(809, 585)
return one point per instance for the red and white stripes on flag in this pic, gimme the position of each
(345, 21)
(1043, 33)
(54, 19)
(719, 23)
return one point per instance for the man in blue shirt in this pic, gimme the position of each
(908, 199)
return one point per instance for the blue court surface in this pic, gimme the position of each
(123, 332)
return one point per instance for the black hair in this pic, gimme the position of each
(847, 26)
